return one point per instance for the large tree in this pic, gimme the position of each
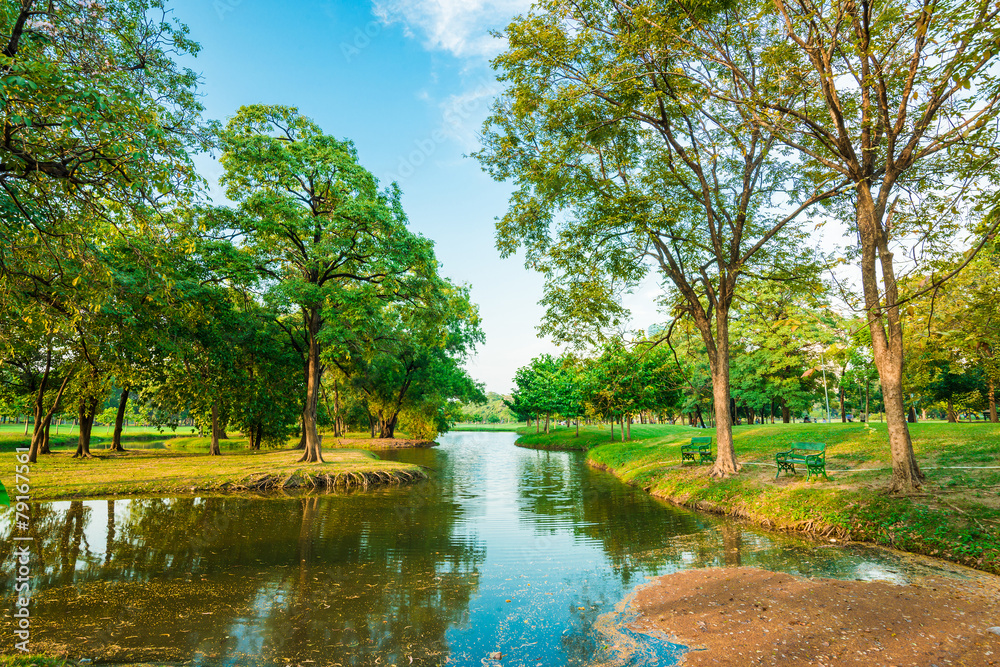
(900, 98)
(625, 160)
(318, 223)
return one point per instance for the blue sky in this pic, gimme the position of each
(409, 82)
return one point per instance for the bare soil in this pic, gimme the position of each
(748, 616)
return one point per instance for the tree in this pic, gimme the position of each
(896, 97)
(624, 157)
(407, 357)
(317, 222)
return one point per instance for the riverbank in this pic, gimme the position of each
(746, 616)
(955, 518)
(376, 443)
(58, 476)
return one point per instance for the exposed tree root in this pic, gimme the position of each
(307, 479)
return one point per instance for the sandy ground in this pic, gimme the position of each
(747, 616)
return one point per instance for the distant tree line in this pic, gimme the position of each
(793, 358)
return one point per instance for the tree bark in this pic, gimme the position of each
(786, 413)
(389, 426)
(843, 413)
(546, 423)
(116, 440)
(992, 396)
(313, 448)
(213, 448)
(302, 429)
(952, 418)
(911, 415)
(88, 409)
(725, 460)
(886, 329)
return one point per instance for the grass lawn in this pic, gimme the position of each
(956, 517)
(186, 468)
(475, 426)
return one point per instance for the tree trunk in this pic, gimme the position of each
(992, 396)
(952, 418)
(88, 410)
(629, 426)
(213, 448)
(313, 450)
(116, 440)
(302, 432)
(786, 413)
(843, 413)
(389, 426)
(911, 415)
(46, 441)
(868, 396)
(887, 339)
(338, 429)
(725, 460)
(578, 427)
(546, 423)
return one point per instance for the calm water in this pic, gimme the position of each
(523, 552)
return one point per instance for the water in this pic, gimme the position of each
(527, 553)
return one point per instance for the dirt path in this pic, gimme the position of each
(747, 616)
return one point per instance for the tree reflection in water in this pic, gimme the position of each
(342, 578)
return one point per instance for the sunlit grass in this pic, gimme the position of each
(173, 471)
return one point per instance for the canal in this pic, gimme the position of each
(524, 553)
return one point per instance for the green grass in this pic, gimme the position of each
(473, 426)
(956, 518)
(66, 437)
(180, 471)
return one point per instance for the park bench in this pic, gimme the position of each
(810, 454)
(699, 451)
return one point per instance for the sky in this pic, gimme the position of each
(409, 82)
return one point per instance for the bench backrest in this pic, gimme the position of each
(701, 440)
(809, 446)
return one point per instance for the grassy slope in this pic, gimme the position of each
(957, 518)
(185, 468)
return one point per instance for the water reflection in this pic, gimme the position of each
(504, 549)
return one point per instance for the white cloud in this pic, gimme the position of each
(463, 114)
(460, 27)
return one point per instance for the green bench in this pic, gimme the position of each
(810, 454)
(699, 451)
